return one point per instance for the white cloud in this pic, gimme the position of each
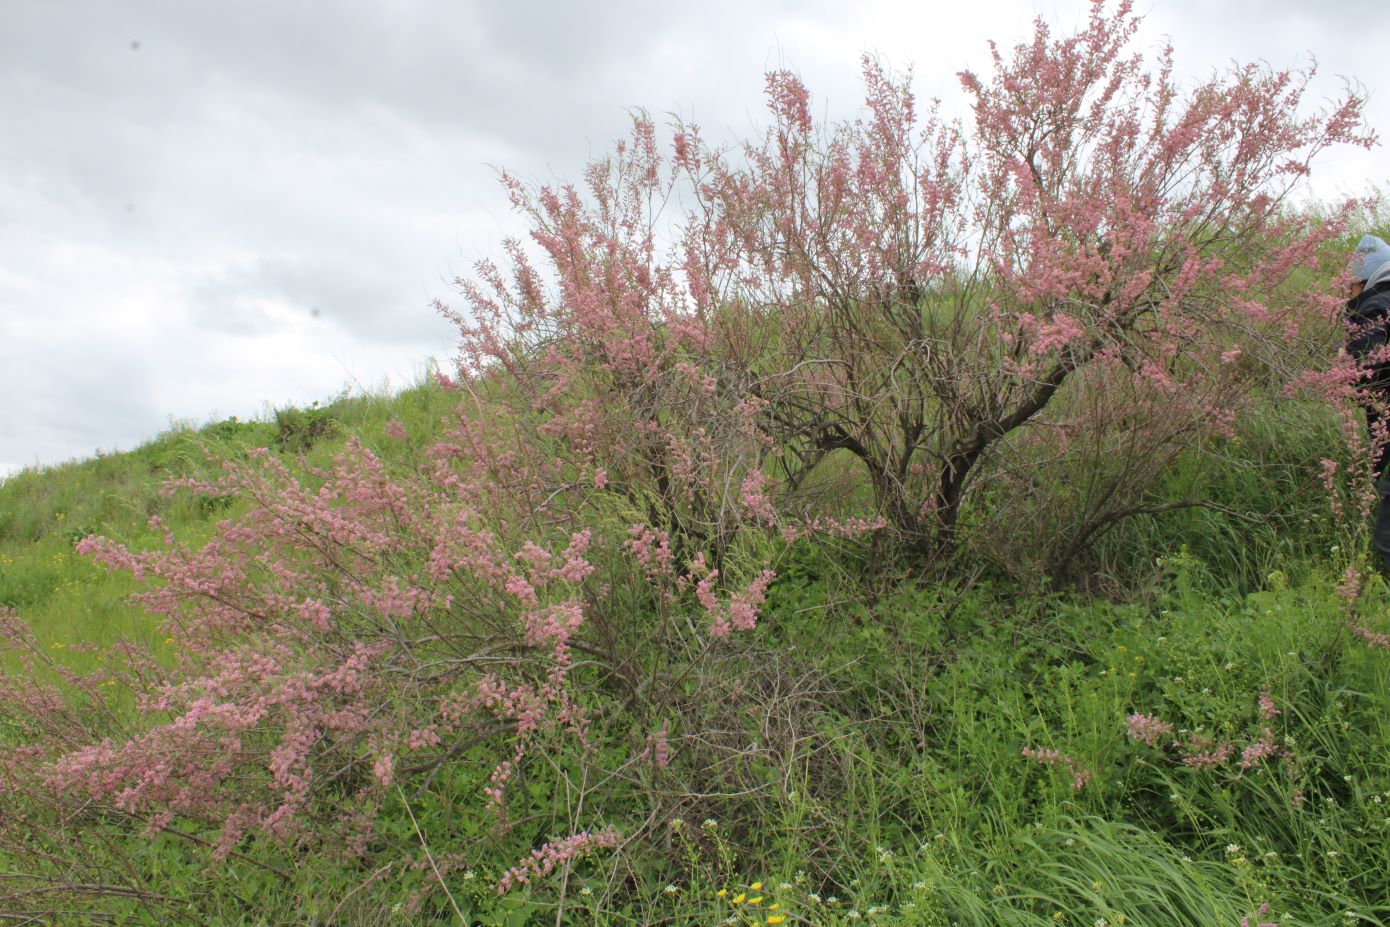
(257, 204)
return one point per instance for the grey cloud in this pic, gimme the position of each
(249, 162)
(244, 299)
(78, 408)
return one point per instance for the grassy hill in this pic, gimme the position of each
(45, 511)
(1207, 743)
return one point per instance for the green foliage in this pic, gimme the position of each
(1263, 509)
(300, 429)
(45, 511)
(881, 719)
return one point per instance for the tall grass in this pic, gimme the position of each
(881, 775)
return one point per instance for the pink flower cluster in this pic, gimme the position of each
(1148, 729)
(1201, 752)
(1080, 776)
(547, 857)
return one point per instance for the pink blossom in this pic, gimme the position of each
(1374, 638)
(547, 857)
(1258, 752)
(384, 769)
(1148, 729)
(1080, 776)
(1207, 759)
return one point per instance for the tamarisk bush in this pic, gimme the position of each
(1053, 301)
(366, 630)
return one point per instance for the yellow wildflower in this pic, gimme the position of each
(776, 919)
(756, 886)
(758, 900)
(740, 897)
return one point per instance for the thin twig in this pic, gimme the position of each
(429, 856)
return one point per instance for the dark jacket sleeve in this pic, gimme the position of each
(1368, 318)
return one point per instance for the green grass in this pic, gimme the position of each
(45, 511)
(911, 802)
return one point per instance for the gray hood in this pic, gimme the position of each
(1382, 273)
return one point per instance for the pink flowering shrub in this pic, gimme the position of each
(1094, 274)
(358, 630)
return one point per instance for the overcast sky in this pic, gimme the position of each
(211, 209)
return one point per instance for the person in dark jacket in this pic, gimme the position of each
(1368, 317)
